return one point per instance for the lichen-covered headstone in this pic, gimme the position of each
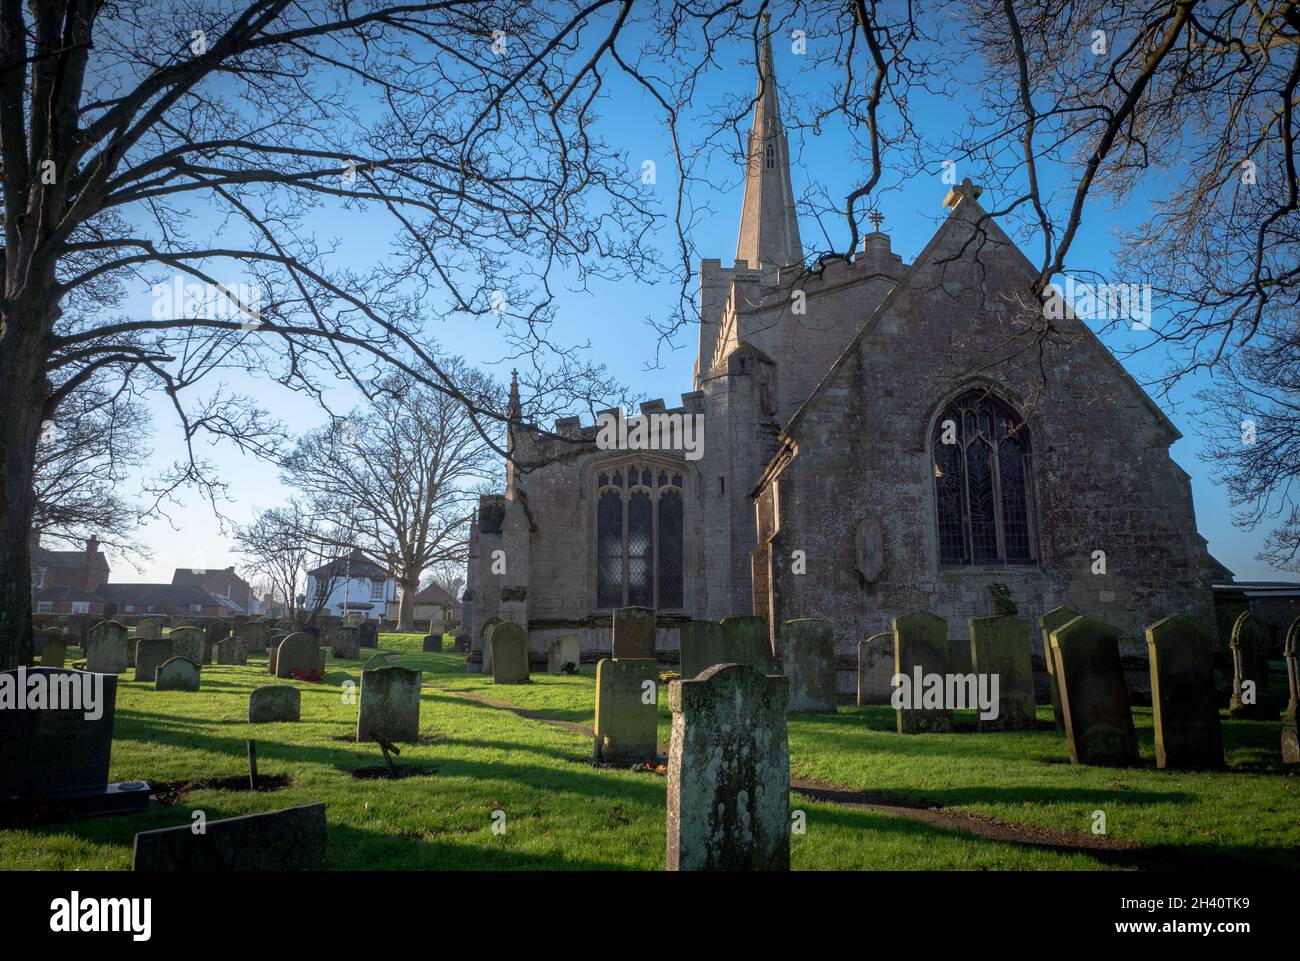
(509, 654)
(565, 649)
(808, 656)
(1186, 713)
(276, 702)
(875, 668)
(1250, 698)
(920, 649)
(54, 651)
(729, 772)
(1000, 646)
(297, 653)
(633, 633)
(150, 653)
(344, 640)
(1094, 697)
(231, 650)
(432, 642)
(292, 839)
(1290, 735)
(627, 709)
(1056, 617)
(107, 648)
(177, 674)
(188, 642)
(148, 629)
(389, 708)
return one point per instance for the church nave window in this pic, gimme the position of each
(640, 538)
(981, 483)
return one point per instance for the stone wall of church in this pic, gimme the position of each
(1102, 475)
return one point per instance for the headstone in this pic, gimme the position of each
(486, 649)
(627, 709)
(1290, 735)
(255, 633)
(298, 654)
(344, 640)
(320, 659)
(875, 668)
(368, 633)
(1094, 697)
(150, 652)
(289, 840)
(432, 642)
(276, 702)
(59, 747)
(390, 705)
(271, 653)
(216, 631)
(107, 648)
(509, 654)
(1056, 617)
(921, 648)
(55, 650)
(735, 640)
(808, 656)
(633, 633)
(148, 629)
(375, 661)
(1250, 667)
(231, 650)
(729, 772)
(999, 646)
(188, 642)
(1186, 713)
(177, 674)
(565, 649)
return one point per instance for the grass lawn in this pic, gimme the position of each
(562, 813)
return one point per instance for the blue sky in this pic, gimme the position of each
(612, 316)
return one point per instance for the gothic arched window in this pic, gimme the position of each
(982, 483)
(640, 537)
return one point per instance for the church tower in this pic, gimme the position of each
(769, 230)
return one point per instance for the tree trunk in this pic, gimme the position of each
(408, 587)
(22, 408)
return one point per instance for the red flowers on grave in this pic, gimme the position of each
(298, 674)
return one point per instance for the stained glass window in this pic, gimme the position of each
(640, 539)
(981, 483)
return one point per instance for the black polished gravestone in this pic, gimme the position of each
(292, 839)
(56, 735)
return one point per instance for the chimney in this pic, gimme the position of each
(92, 547)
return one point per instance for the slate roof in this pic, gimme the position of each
(157, 595)
(433, 594)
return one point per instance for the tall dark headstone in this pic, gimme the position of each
(1094, 697)
(1181, 656)
(920, 647)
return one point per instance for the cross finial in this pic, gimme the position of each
(876, 218)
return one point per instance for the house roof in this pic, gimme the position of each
(356, 565)
(433, 594)
(157, 595)
(67, 594)
(198, 576)
(67, 559)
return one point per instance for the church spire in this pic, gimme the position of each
(769, 230)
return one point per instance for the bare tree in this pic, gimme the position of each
(402, 474)
(84, 460)
(280, 547)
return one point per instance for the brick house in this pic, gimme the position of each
(173, 600)
(65, 582)
(220, 583)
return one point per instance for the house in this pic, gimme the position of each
(433, 607)
(174, 600)
(355, 585)
(65, 582)
(222, 583)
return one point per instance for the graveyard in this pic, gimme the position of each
(499, 776)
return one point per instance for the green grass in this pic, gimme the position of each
(562, 813)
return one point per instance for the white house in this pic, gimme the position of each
(356, 586)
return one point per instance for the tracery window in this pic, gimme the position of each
(640, 537)
(981, 483)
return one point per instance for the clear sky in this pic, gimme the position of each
(613, 317)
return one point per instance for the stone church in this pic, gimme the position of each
(873, 442)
